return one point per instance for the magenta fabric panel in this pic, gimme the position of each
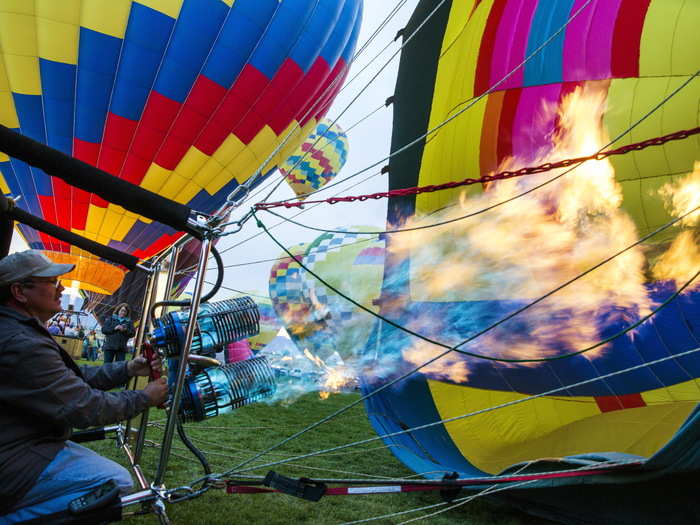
(588, 45)
(576, 43)
(238, 351)
(599, 47)
(511, 43)
(533, 123)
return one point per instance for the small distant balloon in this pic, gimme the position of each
(317, 160)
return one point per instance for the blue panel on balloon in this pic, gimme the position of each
(58, 88)
(318, 29)
(145, 41)
(244, 27)
(189, 47)
(342, 33)
(289, 22)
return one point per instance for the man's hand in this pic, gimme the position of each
(120, 327)
(140, 367)
(157, 392)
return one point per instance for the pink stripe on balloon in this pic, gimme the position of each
(535, 119)
(574, 61)
(511, 43)
(599, 42)
(588, 45)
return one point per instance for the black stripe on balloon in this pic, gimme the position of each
(413, 97)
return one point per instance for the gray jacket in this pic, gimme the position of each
(43, 396)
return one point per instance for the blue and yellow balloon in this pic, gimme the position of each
(186, 98)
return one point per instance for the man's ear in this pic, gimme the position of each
(18, 293)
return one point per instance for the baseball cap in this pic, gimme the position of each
(30, 263)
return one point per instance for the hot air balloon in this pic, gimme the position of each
(317, 160)
(269, 324)
(286, 291)
(188, 99)
(315, 315)
(509, 75)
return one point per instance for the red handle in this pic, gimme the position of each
(150, 354)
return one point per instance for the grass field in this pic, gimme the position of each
(228, 440)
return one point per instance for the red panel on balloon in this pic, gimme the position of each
(306, 90)
(611, 403)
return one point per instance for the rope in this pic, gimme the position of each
(400, 378)
(475, 100)
(512, 314)
(236, 470)
(503, 175)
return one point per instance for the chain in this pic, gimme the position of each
(503, 175)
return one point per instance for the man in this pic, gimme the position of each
(44, 394)
(93, 345)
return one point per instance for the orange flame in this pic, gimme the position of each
(336, 378)
(682, 259)
(533, 244)
(684, 196)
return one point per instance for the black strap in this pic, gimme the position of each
(94, 180)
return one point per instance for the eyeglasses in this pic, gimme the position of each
(53, 282)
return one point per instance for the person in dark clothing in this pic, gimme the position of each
(44, 395)
(118, 329)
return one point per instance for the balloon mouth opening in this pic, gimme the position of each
(91, 273)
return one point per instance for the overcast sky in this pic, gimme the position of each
(369, 143)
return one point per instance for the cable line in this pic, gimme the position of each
(507, 317)
(450, 349)
(475, 100)
(238, 470)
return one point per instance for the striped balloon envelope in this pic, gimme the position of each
(186, 98)
(317, 160)
(494, 85)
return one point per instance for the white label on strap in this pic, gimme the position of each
(373, 490)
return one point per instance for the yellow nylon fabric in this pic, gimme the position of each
(452, 153)
(556, 426)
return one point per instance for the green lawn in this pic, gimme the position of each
(229, 439)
